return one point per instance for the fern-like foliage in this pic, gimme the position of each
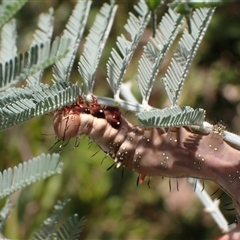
(74, 30)
(95, 43)
(155, 52)
(175, 76)
(183, 6)
(4, 213)
(8, 39)
(19, 105)
(172, 117)
(40, 56)
(43, 33)
(28, 172)
(183, 56)
(8, 9)
(117, 64)
(70, 229)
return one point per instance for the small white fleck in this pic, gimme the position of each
(118, 165)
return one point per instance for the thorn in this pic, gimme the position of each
(118, 165)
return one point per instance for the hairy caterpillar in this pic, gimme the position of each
(172, 152)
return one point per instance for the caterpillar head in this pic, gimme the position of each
(66, 122)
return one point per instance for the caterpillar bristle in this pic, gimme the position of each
(90, 143)
(66, 143)
(77, 142)
(94, 154)
(228, 209)
(227, 204)
(203, 185)
(221, 196)
(215, 192)
(106, 156)
(110, 167)
(58, 141)
(149, 180)
(137, 181)
(195, 185)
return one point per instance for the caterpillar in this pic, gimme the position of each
(172, 152)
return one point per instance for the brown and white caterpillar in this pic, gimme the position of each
(172, 152)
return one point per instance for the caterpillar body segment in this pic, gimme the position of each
(173, 152)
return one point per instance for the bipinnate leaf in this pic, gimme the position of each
(95, 43)
(172, 117)
(28, 172)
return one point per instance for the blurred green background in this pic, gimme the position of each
(116, 208)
